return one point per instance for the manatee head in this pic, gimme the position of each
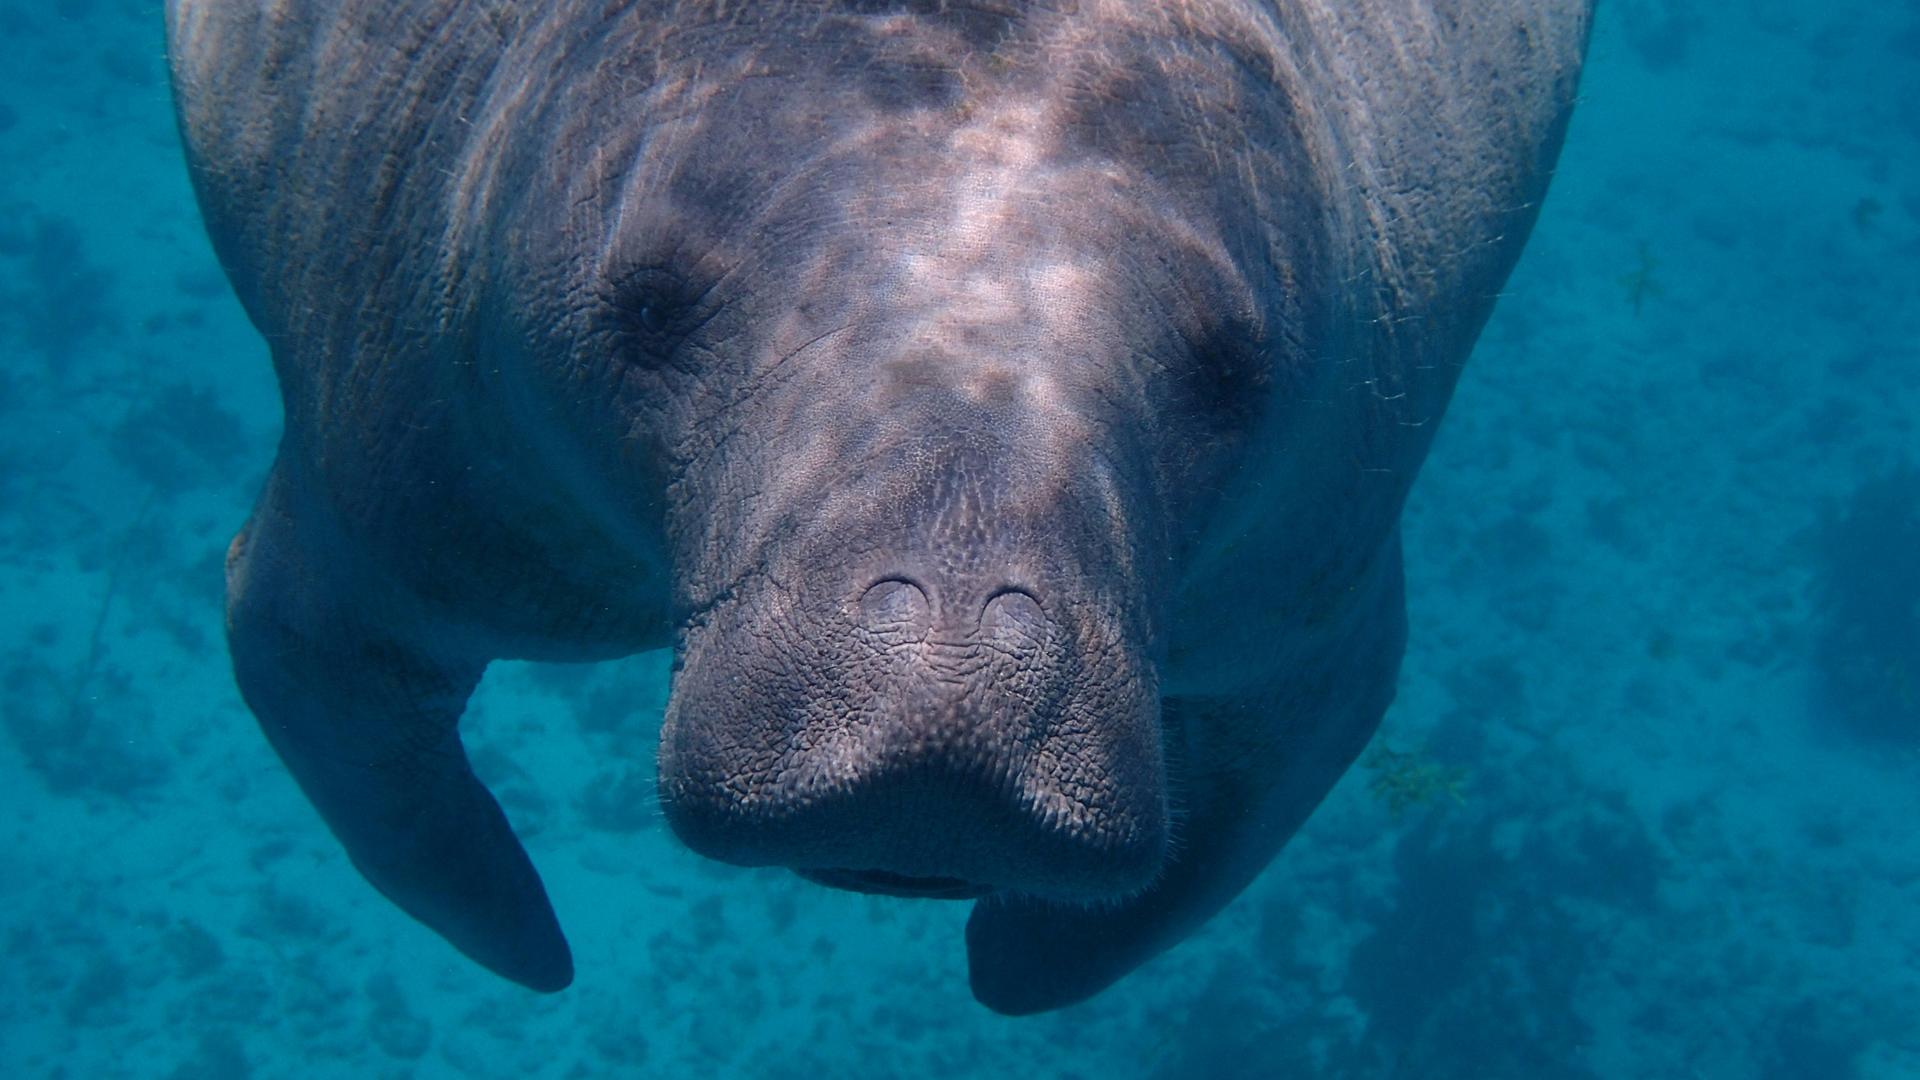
(934, 673)
(927, 393)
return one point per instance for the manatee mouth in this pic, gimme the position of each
(886, 884)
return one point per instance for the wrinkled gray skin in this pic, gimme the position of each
(1004, 412)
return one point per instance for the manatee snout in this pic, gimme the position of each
(942, 700)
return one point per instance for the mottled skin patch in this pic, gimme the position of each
(1004, 410)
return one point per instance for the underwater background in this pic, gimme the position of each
(1648, 804)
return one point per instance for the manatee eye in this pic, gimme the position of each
(650, 310)
(1228, 378)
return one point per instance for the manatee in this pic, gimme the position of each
(1003, 410)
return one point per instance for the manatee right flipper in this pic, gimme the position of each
(365, 715)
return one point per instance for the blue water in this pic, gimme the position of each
(1663, 571)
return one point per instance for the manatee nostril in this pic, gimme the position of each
(1013, 613)
(892, 604)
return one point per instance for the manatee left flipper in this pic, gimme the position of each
(1254, 767)
(365, 716)
(1027, 955)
